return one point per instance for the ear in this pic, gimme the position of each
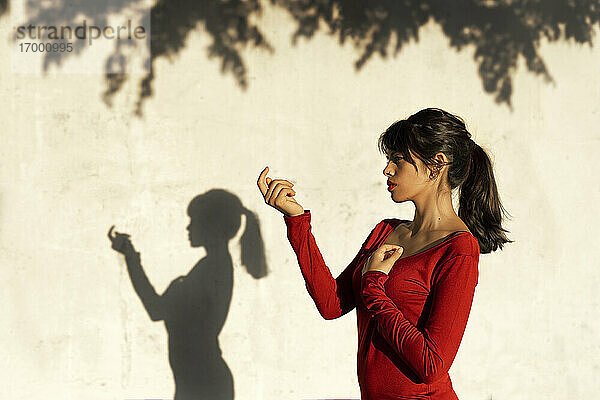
(441, 158)
(439, 161)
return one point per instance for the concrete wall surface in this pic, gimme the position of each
(77, 159)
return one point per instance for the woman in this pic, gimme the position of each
(412, 282)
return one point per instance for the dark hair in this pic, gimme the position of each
(431, 131)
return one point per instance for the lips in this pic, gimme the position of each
(391, 185)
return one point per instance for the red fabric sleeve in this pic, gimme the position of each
(429, 352)
(333, 297)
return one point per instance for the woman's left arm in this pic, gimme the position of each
(430, 351)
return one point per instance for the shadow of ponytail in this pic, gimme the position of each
(252, 247)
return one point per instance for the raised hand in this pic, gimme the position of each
(120, 242)
(278, 193)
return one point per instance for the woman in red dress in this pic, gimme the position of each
(412, 282)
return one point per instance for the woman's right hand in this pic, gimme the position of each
(121, 242)
(279, 194)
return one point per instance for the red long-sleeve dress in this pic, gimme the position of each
(410, 322)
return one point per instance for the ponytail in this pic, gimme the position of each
(433, 130)
(480, 207)
(252, 247)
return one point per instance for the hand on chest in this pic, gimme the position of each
(408, 285)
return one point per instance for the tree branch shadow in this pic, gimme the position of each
(171, 21)
(501, 32)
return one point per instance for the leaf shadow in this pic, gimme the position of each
(500, 31)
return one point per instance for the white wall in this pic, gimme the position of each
(71, 167)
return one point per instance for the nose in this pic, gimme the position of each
(387, 171)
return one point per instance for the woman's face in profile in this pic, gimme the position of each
(196, 228)
(403, 182)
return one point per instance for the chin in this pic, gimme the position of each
(395, 199)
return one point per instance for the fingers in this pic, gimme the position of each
(277, 192)
(274, 188)
(383, 259)
(261, 182)
(388, 251)
(387, 248)
(116, 234)
(393, 257)
(282, 197)
(265, 183)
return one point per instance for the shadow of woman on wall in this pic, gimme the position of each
(195, 306)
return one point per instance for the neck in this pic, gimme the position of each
(432, 212)
(217, 249)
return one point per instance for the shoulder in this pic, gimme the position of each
(377, 232)
(380, 231)
(461, 244)
(458, 261)
(459, 255)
